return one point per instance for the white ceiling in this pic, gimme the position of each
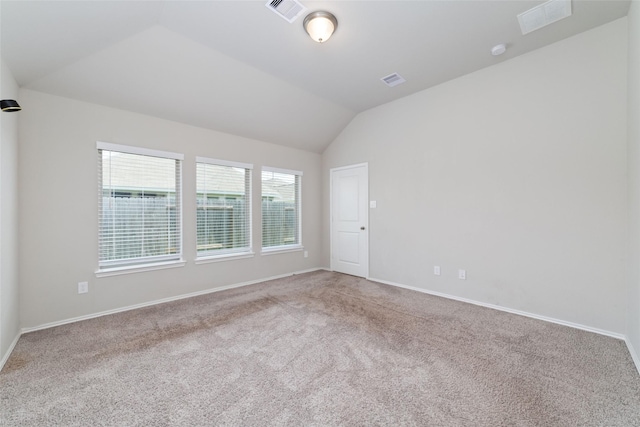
(237, 67)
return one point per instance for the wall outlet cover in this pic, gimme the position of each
(83, 287)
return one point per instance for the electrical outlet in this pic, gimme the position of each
(306, 254)
(436, 270)
(83, 287)
(462, 274)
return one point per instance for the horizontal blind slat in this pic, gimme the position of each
(223, 211)
(139, 208)
(280, 208)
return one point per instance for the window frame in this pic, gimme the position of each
(147, 263)
(294, 247)
(211, 256)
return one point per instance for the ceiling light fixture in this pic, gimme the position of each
(320, 25)
(9, 105)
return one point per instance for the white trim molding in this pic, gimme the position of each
(506, 309)
(129, 269)
(272, 250)
(6, 356)
(223, 257)
(350, 166)
(160, 301)
(279, 170)
(229, 163)
(138, 150)
(634, 355)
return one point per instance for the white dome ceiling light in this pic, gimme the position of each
(320, 25)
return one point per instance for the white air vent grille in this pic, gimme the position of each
(393, 80)
(289, 10)
(543, 15)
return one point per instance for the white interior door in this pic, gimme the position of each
(350, 220)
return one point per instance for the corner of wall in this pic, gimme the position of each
(633, 186)
(9, 287)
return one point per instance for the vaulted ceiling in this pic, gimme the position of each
(237, 67)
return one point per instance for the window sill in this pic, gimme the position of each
(116, 271)
(225, 257)
(282, 249)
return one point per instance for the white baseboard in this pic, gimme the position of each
(159, 301)
(508, 310)
(634, 355)
(632, 351)
(9, 351)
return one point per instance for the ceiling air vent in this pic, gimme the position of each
(287, 9)
(393, 80)
(543, 15)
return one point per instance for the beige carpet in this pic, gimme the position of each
(313, 350)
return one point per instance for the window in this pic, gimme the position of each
(223, 207)
(281, 225)
(139, 206)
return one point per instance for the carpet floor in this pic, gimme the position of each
(318, 349)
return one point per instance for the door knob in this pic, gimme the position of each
(362, 228)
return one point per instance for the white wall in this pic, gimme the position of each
(516, 173)
(59, 217)
(633, 299)
(9, 301)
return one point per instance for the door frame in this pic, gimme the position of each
(331, 174)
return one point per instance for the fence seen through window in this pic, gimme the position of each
(280, 208)
(139, 206)
(223, 207)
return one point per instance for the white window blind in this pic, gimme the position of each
(223, 207)
(139, 206)
(281, 217)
